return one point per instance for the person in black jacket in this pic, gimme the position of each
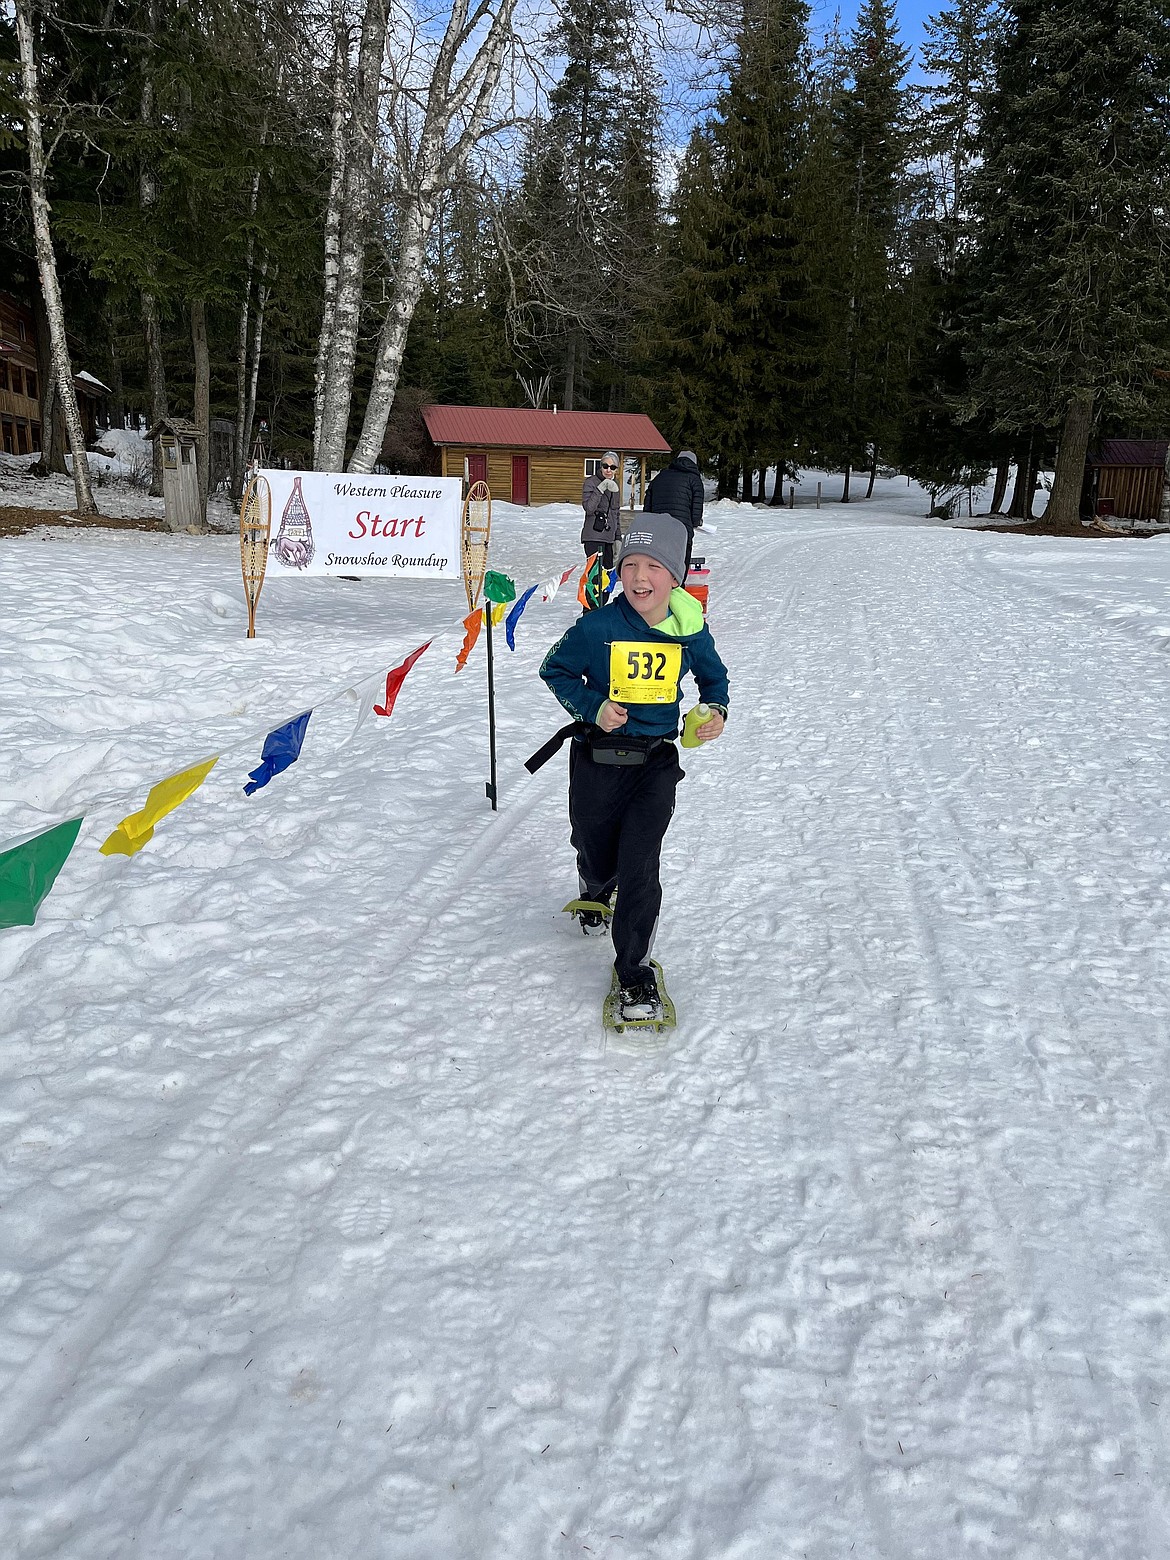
(678, 491)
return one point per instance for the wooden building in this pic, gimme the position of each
(20, 382)
(20, 388)
(532, 456)
(179, 439)
(1128, 478)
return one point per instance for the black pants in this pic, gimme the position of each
(690, 550)
(604, 548)
(593, 597)
(619, 816)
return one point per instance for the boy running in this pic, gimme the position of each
(617, 671)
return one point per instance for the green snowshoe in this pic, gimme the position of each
(591, 915)
(616, 1024)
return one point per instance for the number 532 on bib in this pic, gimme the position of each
(644, 674)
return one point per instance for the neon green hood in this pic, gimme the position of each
(686, 615)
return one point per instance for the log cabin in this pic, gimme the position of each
(530, 455)
(21, 371)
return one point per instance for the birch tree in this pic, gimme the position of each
(47, 258)
(355, 140)
(147, 198)
(433, 132)
(338, 149)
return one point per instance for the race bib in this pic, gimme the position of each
(644, 674)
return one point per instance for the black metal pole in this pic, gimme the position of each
(491, 682)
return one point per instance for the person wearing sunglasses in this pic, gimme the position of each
(601, 498)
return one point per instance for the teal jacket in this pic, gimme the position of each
(577, 668)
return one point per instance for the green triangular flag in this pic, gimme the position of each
(498, 587)
(28, 870)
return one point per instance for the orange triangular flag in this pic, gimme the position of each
(473, 622)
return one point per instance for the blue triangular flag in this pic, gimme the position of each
(282, 748)
(514, 616)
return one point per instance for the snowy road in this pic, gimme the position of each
(328, 1229)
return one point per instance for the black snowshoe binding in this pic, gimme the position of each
(592, 916)
(641, 1003)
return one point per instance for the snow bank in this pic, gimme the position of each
(130, 449)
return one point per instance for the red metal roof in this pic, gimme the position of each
(1129, 452)
(525, 428)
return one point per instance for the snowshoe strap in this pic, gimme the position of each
(554, 745)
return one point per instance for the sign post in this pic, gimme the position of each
(498, 590)
(255, 527)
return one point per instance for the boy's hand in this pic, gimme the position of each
(710, 729)
(610, 716)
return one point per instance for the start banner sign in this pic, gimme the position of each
(328, 523)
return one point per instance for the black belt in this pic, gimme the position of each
(605, 747)
(554, 745)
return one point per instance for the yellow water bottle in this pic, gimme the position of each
(697, 717)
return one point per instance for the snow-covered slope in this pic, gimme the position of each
(120, 473)
(328, 1227)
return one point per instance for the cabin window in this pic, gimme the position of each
(3, 374)
(593, 468)
(30, 383)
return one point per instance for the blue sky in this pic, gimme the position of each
(911, 16)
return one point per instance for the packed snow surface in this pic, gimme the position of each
(330, 1228)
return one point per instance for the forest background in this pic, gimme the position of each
(794, 247)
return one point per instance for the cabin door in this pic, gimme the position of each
(519, 479)
(476, 469)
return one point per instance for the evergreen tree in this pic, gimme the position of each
(946, 454)
(636, 280)
(957, 60)
(576, 228)
(874, 145)
(1072, 200)
(697, 318)
(824, 196)
(742, 330)
(458, 351)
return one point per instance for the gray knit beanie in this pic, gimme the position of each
(688, 455)
(660, 537)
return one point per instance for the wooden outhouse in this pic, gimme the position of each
(178, 439)
(530, 455)
(1129, 478)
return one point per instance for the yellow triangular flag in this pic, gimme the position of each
(499, 612)
(133, 832)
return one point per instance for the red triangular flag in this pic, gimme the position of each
(395, 679)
